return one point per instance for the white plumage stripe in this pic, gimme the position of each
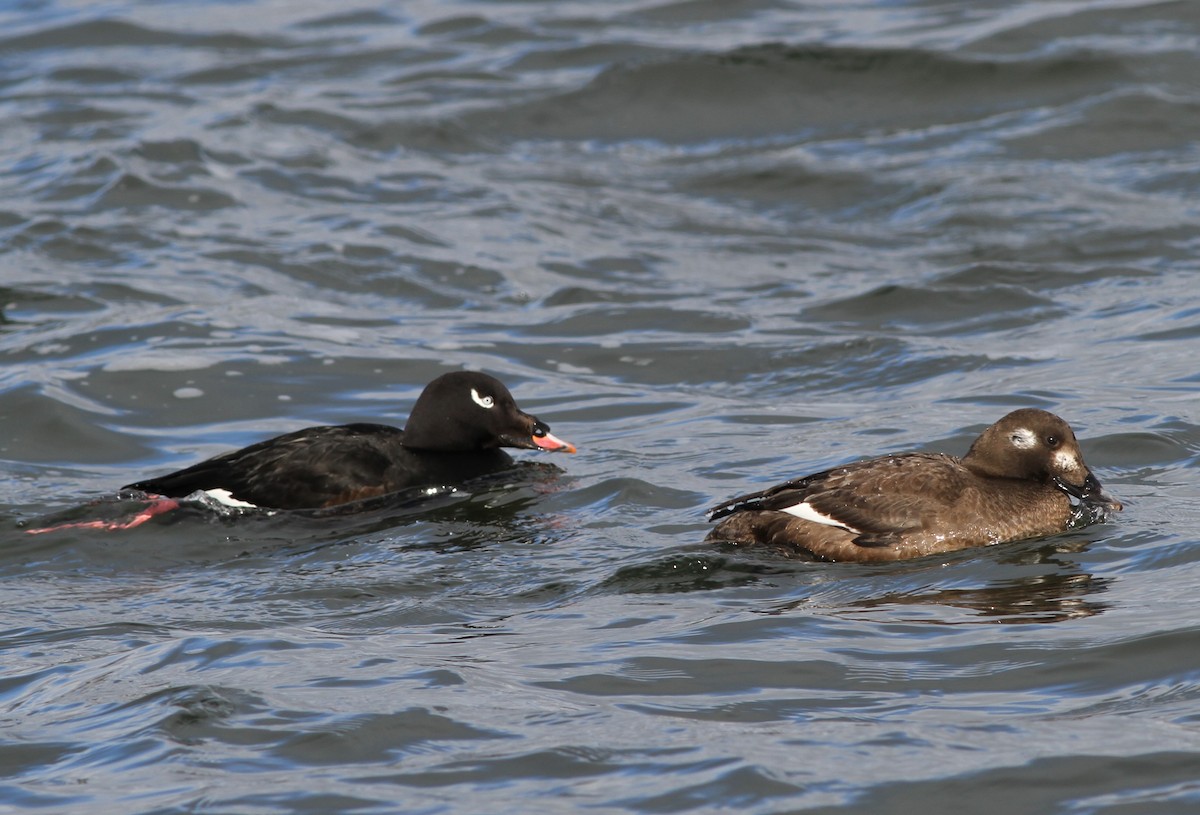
(809, 513)
(222, 496)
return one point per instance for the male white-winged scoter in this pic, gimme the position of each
(1024, 477)
(454, 433)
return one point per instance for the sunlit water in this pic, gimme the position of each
(713, 244)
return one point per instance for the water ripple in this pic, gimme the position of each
(715, 245)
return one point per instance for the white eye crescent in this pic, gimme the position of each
(483, 401)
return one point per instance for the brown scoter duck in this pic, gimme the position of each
(1024, 477)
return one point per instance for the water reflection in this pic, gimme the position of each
(1016, 584)
(1047, 598)
(488, 509)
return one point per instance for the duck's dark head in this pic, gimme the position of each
(467, 410)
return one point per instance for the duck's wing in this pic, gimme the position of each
(314, 467)
(877, 500)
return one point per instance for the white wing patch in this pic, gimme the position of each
(1024, 438)
(483, 401)
(225, 497)
(809, 513)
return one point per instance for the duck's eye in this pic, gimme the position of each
(1052, 442)
(483, 401)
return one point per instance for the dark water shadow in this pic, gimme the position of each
(689, 569)
(1049, 597)
(761, 90)
(199, 532)
(1045, 784)
(1015, 583)
(1023, 582)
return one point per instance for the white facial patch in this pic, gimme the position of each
(225, 497)
(1024, 439)
(807, 512)
(1067, 462)
(483, 401)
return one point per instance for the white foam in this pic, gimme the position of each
(161, 361)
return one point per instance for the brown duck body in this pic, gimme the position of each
(1024, 477)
